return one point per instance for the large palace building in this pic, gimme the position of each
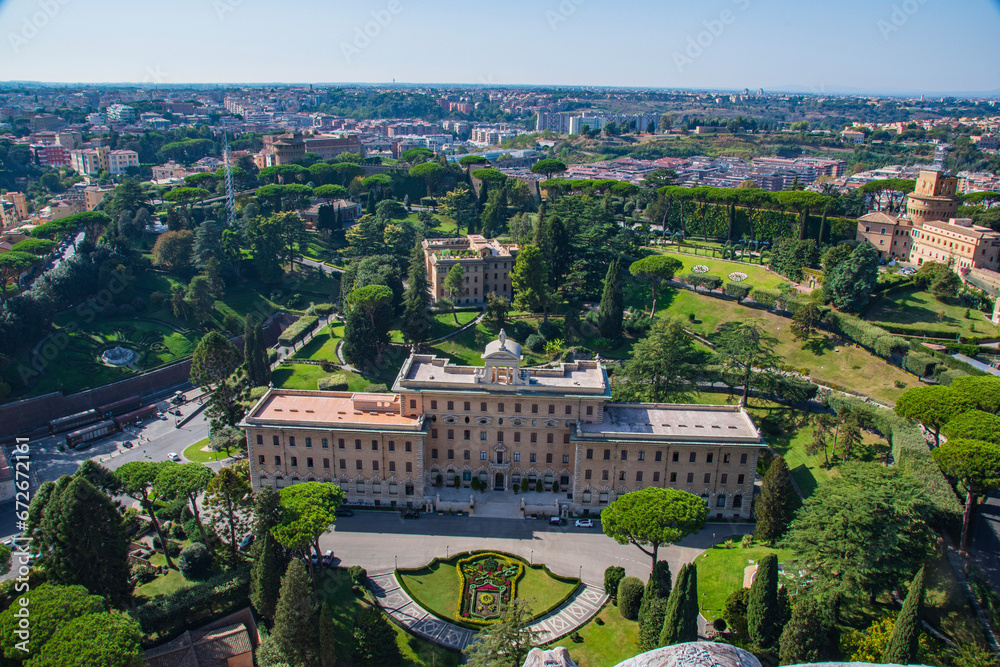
(502, 424)
(486, 265)
(930, 232)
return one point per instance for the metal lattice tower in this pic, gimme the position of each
(230, 194)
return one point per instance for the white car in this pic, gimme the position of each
(173, 456)
(584, 523)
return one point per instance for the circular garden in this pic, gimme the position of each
(472, 589)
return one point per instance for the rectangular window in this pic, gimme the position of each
(673, 478)
(295, 462)
(587, 474)
(723, 478)
(725, 458)
(676, 457)
(326, 443)
(326, 463)
(552, 409)
(517, 436)
(565, 458)
(549, 438)
(309, 462)
(531, 458)
(392, 445)
(656, 477)
(451, 454)
(534, 408)
(482, 436)
(590, 454)
(274, 439)
(607, 454)
(467, 455)
(451, 405)
(340, 443)
(517, 407)
(291, 441)
(720, 501)
(374, 465)
(690, 478)
(409, 446)
(604, 475)
(357, 464)
(638, 476)
(565, 438)
(517, 456)
(467, 435)
(737, 502)
(467, 405)
(548, 458)
(277, 460)
(499, 407)
(260, 459)
(590, 410)
(743, 459)
(642, 455)
(621, 475)
(659, 456)
(434, 433)
(374, 445)
(409, 466)
(482, 455)
(434, 453)
(499, 436)
(434, 405)
(451, 434)
(624, 453)
(708, 478)
(709, 457)
(392, 466)
(357, 443)
(343, 464)
(569, 409)
(534, 437)
(692, 457)
(260, 439)
(739, 479)
(413, 404)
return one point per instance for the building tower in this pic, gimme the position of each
(933, 198)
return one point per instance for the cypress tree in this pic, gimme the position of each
(902, 648)
(651, 615)
(762, 605)
(263, 361)
(659, 584)
(680, 619)
(327, 639)
(806, 638)
(612, 577)
(777, 503)
(609, 320)
(374, 641)
(417, 299)
(265, 577)
(295, 634)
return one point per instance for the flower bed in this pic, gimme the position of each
(699, 268)
(737, 276)
(488, 582)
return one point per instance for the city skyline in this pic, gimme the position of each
(729, 45)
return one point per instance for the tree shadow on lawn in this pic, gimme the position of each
(818, 345)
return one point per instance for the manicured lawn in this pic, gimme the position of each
(757, 275)
(607, 640)
(307, 376)
(197, 453)
(323, 345)
(167, 584)
(847, 366)
(914, 309)
(720, 572)
(334, 588)
(467, 347)
(436, 587)
(444, 324)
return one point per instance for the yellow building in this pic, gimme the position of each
(486, 264)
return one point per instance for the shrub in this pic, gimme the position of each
(747, 541)
(377, 388)
(323, 309)
(231, 323)
(194, 561)
(535, 343)
(335, 382)
(143, 573)
(177, 531)
(711, 282)
(298, 330)
(630, 591)
(719, 625)
(739, 290)
(920, 365)
(428, 201)
(328, 366)
(949, 375)
(524, 484)
(575, 637)
(550, 330)
(156, 299)
(555, 486)
(439, 480)
(521, 330)
(766, 297)
(539, 487)
(223, 591)
(358, 574)
(474, 484)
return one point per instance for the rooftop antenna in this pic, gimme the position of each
(230, 195)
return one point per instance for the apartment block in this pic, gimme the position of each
(120, 160)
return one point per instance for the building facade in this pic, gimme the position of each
(120, 160)
(89, 161)
(502, 424)
(486, 264)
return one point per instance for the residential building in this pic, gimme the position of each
(94, 195)
(8, 217)
(167, 171)
(486, 264)
(344, 210)
(19, 202)
(89, 161)
(120, 160)
(956, 241)
(226, 642)
(502, 424)
(51, 155)
(330, 146)
(890, 235)
(120, 113)
(853, 137)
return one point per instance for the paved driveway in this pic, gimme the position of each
(379, 541)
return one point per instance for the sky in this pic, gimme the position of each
(878, 46)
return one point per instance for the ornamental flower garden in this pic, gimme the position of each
(737, 276)
(488, 582)
(699, 268)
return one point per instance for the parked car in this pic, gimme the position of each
(343, 513)
(328, 558)
(411, 514)
(178, 398)
(557, 521)
(584, 523)
(247, 541)
(173, 456)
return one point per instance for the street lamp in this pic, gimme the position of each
(531, 558)
(395, 561)
(446, 551)
(703, 602)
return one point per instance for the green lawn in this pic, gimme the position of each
(757, 275)
(720, 572)
(323, 345)
(166, 584)
(444, 324)
(911, 308)
(334, 588)
(197, 453)
(847, 365)
(436, 587)
(307, 376)
(607, 640)
(467, 347)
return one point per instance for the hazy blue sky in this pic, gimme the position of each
(885, 45)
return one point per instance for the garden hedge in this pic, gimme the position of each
(164, 614)
(911, 453)
(612, 577)
(630, 591)
(335, 382)
(298, 330)
(738, 290)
